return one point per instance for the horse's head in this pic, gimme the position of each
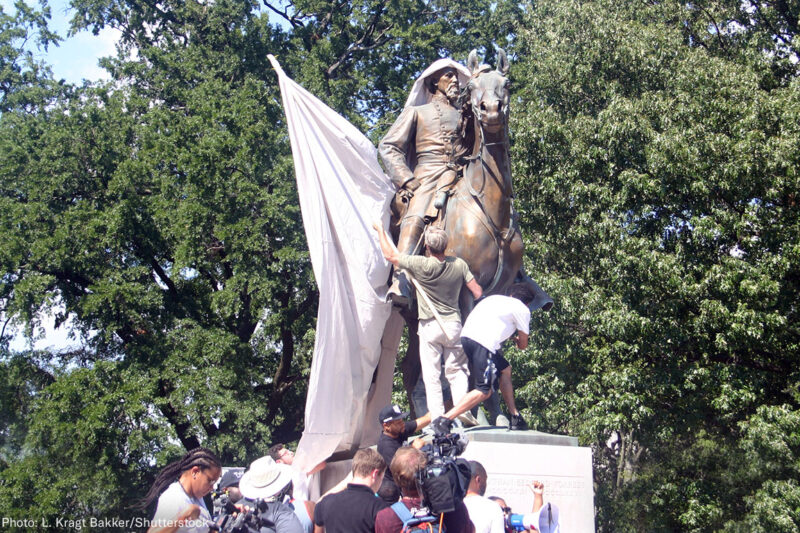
(488, 92)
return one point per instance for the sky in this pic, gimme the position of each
(75, 59)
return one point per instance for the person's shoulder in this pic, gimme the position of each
(456, 263)
(407, 260)
(325, 502)
(380, 505)
(174, 490)
(388, 512)
(387, 517)
(520, 306)
(490, 506)
(491, 301)
(288, 512)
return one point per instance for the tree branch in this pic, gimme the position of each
(180, 423)
(365, 42)
(163, 277)
(293, 19)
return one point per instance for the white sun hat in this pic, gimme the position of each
(264, 479)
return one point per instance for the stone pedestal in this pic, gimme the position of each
(515, 458)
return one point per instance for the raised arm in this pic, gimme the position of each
(537, 487)
(388, 248)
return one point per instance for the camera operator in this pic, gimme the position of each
(395, 432)
(406, 466)
(484, 513)
(229, 485)
(261, 510)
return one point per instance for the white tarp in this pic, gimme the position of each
(342, 191)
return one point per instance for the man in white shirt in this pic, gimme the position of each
(486, 515)
(494, 319)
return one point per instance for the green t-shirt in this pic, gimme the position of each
(441, 280)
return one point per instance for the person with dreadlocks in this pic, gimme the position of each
(180, 488)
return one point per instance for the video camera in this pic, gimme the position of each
(444, 480)
(231, 519)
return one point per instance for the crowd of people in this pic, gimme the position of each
(263, 499)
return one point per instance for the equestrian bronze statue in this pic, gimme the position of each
(460, 182)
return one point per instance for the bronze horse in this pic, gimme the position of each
(478, 216)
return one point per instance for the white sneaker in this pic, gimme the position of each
(468, 420)
(502, 421)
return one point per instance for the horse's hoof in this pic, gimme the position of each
(399, 300)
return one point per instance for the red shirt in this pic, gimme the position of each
(456, 521)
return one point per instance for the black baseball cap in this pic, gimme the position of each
(391, 412)
(230, 478)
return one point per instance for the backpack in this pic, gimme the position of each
(418, 524)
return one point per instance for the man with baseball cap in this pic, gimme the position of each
(395, 432)
(229, 484)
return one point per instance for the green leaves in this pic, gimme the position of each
(25, 82)
(655, 163)
(644, 161)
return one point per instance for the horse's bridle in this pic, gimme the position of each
(499, 236)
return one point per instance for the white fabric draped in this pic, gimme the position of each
(342, 191)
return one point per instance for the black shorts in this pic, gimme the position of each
(500, 362)
(481, 364)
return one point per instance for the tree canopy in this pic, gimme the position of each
(657, 169)
(655, 153)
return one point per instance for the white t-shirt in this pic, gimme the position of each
(299, 485)
(172, 502)
(485, 514)
(495, 319)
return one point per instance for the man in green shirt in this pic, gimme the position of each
(441, 278)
